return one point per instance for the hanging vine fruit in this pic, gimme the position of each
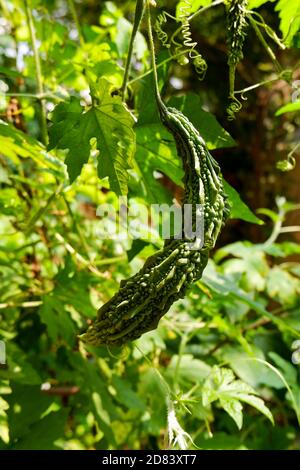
(167, 275)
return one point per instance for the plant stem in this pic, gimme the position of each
(291, 228)
(184, 340)
(194, 15)
(207, 7)
(264, 43)
(29, 304)
(76, 227)
(76, 21)
(276, 228)
(78, 256)
(152, 51)
(231, 80)
(256, 85)
(163, 62)
(38, 71)
(35, 96)
(139, 10)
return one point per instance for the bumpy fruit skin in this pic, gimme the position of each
(236, 30)
(145, 297)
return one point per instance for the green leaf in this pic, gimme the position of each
(282, 286)
(9, 72)
(125, 395)
(18, 367)
(156, 150)
(253, 372)
(190, 369)
(137, 246)
(27, 404)
(109, 122)
(124, 29)
(95, 389)
(222, 386)
(191, 7)
(59, 322)
(288, 108)
(212, 132)
(226, 286)
(289, 13)
(239, 210)
(43, 434)
(15, 144)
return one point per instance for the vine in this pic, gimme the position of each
(166, 276)
(181, 40)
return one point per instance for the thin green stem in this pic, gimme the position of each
(207, 7)
(183, 343)
(282, 378)
(76, 21)
(161, 64)
(257, 85)
(269, 31)
(29, 304)
(276, 228)
(231, 80)
(291, 228)
(35, 96)
(197, 13)
(264, 43)
(40, 212)
(139, 10)
(38, 70)
(152, 51)
(114, 260)
(77, 227)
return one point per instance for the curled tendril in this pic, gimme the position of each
(287, 75)
(161, 34)
(269, 31)
(185, 50)
(234, 107)
(286, 165)
(188, 43)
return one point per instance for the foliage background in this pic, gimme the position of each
(218, 370)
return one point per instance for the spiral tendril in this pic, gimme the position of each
(188, 43)
(161, 34)
(234, 107)
(185, 50)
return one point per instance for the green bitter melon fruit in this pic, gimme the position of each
(166, 276)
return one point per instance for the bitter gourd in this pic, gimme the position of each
(165, 277)
(144, 298)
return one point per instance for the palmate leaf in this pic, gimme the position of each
(109, 122)
(15, 145)
(222, 386)
(212, 132)
(238, 209)
(155, 149)
(289, 13)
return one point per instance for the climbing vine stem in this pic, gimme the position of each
(76, 21)
(38, 70)
(264, 43)
(139, 10)
(152, 50)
